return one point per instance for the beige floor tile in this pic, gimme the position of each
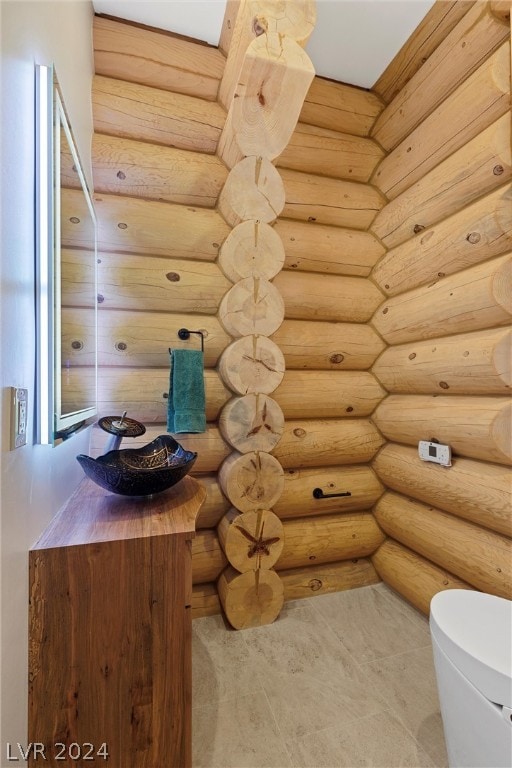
(238, 733)
(378, 741)
(222, 666)
(310, 680)
(408, 684)
(370, 624)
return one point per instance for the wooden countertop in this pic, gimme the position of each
(93, 515)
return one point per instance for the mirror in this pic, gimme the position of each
(66, 266)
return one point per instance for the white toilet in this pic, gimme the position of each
(472, 644)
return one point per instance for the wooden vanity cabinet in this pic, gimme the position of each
(110, 630)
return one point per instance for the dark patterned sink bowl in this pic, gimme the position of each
(140, 471)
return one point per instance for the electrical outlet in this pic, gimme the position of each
(439, 454)
(19, 417)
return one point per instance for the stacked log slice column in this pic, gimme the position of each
(267, 78)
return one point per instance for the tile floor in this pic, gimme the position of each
(345, 679)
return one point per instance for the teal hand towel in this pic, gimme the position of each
(187, 402)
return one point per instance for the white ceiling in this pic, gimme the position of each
(353, 41)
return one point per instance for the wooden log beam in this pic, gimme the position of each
(466, 47)
(253, 190)
(330, 201)
(297, 499)
(320, 345)
(323, 248)
(428, 35)
(476, 298)
(215, 505)
(128, 52)
(175, 230)
(330, 153)
(142, 339)
(208, 558)
(327, 297)
(413, 577)
(252, 249)
(250, 599)
(313, 580)
(251, 306)
(327, 539)
(245, 20)
(330, 442)
(472, 490)
(475, 427)
(340, 107)
(477, 102)
(475, 169)
(145, 283)
(251, 540)
(479, 557)
(302, 394)
(274, 79)
(478, 232)
(127, 167)
(467, 364)
(205, 600)
(134, 111)
(252, 422)
(251, 481)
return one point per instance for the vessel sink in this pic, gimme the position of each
(140, 471)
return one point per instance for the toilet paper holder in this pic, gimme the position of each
(319, 494)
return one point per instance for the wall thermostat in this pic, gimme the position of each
(439, 454)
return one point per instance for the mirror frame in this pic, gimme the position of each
(52, 424)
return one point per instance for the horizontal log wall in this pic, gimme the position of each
(446, 321)
(157, 172)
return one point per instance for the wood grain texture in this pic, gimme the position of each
(134, 111)
(330, 153)
(331, 298)
(476, 169)
(477, 102)
(145, 283)
(313, 580)
(253, 190)
(208, 558)
(412, 576)
(244, 20)
(331, 442)
(97, 674)
(319, 199)
(328, 538)
(275, 76)
(251, 540)
(466, 47)
(436, 25)
(478, 232)
(476, 491)
(253, 422)
(302, 394)
(476, 298)
(252, 249)
(252, 306)
(466, 364)
(322, 248)
(176, 230)
(251, 481)
(484, 561)
(128, 167)
(475, 427)
(250, 599)
(215, 505)
(205, 600)
(340, 107)
(144, 56)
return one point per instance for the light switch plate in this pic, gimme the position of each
(439, 454)
(19, 416)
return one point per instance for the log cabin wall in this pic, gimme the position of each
(447, 228)
(157, 180)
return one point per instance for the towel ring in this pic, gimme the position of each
(184, 334)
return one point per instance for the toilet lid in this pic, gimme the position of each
(474, 630)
